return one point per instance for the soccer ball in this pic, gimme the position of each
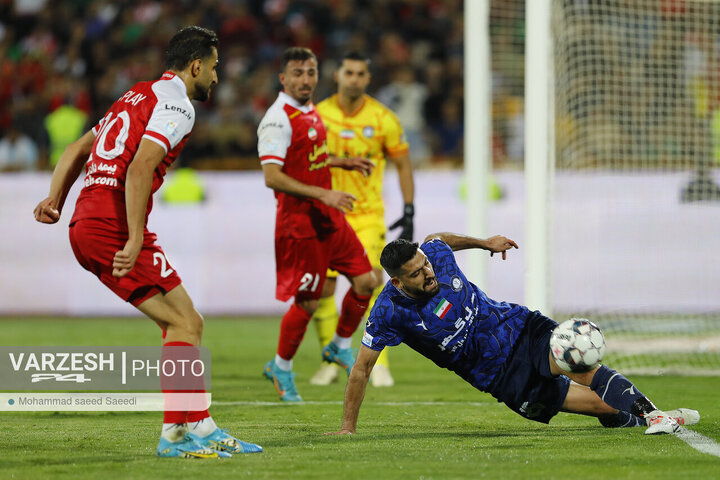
(577, 345)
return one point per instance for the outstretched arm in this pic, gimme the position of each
(355, 391)
(495, 244)
(66, 172)
(276, 179)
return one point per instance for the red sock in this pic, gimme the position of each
(182, 416)
(292, 330)
(354, 307)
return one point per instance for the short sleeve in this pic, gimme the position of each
(378, 331)
(171, 121)
(274, 137)
(396, 144)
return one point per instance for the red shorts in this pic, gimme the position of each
(95, 242)
(302, 263)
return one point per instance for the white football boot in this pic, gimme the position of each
(326, 374)
(684, 416)
(381, 377)
(659, 422)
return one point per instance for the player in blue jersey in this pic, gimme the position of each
(498, 347)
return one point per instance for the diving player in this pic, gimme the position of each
(498, 347)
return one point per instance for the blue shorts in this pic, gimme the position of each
(525, 383)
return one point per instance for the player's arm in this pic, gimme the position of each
(355, 391)
(66, 172)
(407, 187)
(495, 244)
(278, 180)
(362, 165)
(138, 184)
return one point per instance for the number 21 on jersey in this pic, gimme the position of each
(309, 282)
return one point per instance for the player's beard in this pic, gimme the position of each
(422, 293)
(353, 93)
(202, 94)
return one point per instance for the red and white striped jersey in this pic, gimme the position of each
(159, 111)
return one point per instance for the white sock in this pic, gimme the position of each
(341, 342)
(282, 363)
(203, 428)
(174, 432)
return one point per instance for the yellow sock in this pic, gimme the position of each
(326, 320)
(383, 358)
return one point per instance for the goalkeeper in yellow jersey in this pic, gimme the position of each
(360, 126)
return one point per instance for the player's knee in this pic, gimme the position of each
(364, 285)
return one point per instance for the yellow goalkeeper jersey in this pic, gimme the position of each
(372, 131)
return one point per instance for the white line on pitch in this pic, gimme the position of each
(339, 402)
(699, 442)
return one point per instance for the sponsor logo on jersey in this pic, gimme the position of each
(171, 128)
(312, 133)
(132, 97)
(347, 134)
(180, 110)
(368, 131)
(318, 150)
(109, 181)
(367, 339)
(270, 145)
(442, 308)
(271, 124)
(456, 283)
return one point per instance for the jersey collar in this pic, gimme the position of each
(168, 75)
(295, 104)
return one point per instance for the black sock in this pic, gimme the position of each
(618, 392)
(621, 419)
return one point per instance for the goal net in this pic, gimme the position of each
(635, 183)
(634, 209)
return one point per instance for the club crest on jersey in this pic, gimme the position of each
(442, 308)
(312, 133)
(347, 134)
(456, 283)
(368, 131)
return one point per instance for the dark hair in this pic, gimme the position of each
(396, 254)
(296, 53)
(190, 43)
(355, 55)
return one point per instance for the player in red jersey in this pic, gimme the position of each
(311, 233)
(125, 156)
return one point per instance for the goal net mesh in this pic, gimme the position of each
(636, 146)
(635, 203)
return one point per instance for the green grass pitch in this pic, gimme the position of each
(431, 425)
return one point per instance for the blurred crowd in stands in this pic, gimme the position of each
(64, 62)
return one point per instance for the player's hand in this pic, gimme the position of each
(340, 200)
(362, 165)
(45, 212)
(344, 431)
(499, 244)
(125, 259)
(405, 222)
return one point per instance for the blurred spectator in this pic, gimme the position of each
(17, 152)
(64, 125)
(406, 97)
(449, 130)
(72, 59)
